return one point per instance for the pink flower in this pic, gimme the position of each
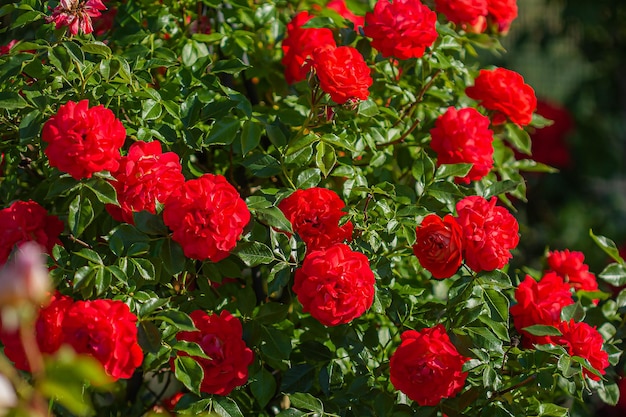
(76, 14)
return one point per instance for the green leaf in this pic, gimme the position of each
(273, 217)
(500, 187)
(518, 137)
(80, 215)
(319, 22)
(90, 255)
(254, 253)
(250, 136)
(543, 330)
(325, 158)
(614, 274)
(226, 407)
(275, 343)
(608, 246)
(11, 101)
(172, 257)
(151, 109)
(145, 268)
(307, 402)
(368, 108)
(573, 311)
(452, 170)
(538, 121)
(229, 66)
(189, 372)
(308, 178)
(498, 305)
(223, 132)
(190, 348)
(609, 393)
(178, 319)
(97, 48)
(103, 190)
(263, 386)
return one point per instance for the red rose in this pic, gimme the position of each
(438, 245)
(335, 285)
(207, 217)
(539, 303)
(571, 266)
(314, 215)
(82, 140)
(340, 7)
(145, 176)
(25, 221)
(402, 29)
(549, 144)
(504, 92)
(580, 339)
(462, 12)
(106, 330)
(489, 233)
(5, 49)
(299, 44)
(342, 72)
(48, 332)
(220, 338)
(463, 136)
(502, 13)
(427, 367)
(76, 15)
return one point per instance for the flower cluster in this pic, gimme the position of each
(207, 216)
(482, 233)
(479, 15)
(25, 221)
(83, 140)
(104, 329)
(463, 136)
(335, 285)
(505, 93)
(220, 338)
(571, 267)
(314, 214)
(541, 303)
(145, 176)
(427, 367)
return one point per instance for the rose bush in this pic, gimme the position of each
(286, 209)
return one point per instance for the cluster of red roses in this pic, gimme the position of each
(478, 15)
(335, 284)
(104, 329)
(206, 214)
(482, 233)
(541, 302)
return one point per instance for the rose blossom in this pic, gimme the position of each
(106, 330)
(427, 367)
(145, 176)
(47, 332)
(490, 232)
(549, 143)
(438, 245)
(335, 285)
(402, 29)
(462, 12)
(220, 338)
(502, 13)
(207, 216)
(342, 73)
(25, 221)
(5, 49)
(570, 265)
(539, 303)
(83, 140)
(76, 14)
(580, 339)
(314, 214)
(299, 44)
(463, 136)
(505, 92)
